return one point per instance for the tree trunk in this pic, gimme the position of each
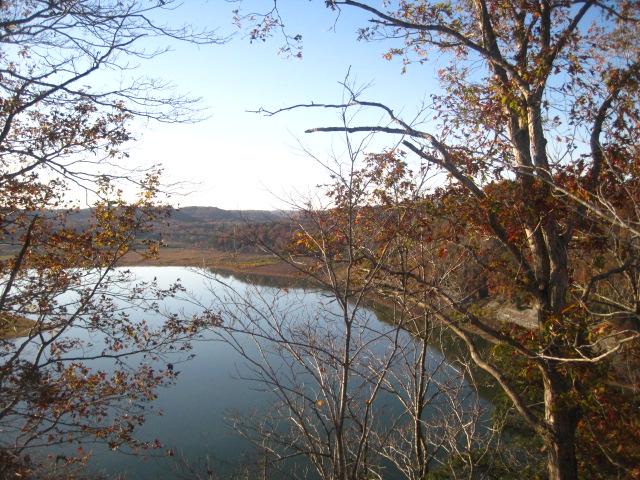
(562, 463)
(562, 421)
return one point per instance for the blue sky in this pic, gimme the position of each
(241, 160)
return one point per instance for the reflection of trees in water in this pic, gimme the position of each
(452, 348)
(448, 346)
(273, 281)
(354, 396)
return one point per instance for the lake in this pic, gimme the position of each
(231, 372)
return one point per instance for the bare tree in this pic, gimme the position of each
(351, 392)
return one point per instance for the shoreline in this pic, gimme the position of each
(498, 312)
(250, 263)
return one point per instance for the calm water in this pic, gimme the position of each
(193, 422)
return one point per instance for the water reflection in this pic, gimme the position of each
(192, 414)
(278, 282)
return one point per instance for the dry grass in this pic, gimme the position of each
(186, 257)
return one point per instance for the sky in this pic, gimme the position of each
(235, 159)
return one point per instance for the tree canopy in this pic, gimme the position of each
(536, 137)
(57, 132)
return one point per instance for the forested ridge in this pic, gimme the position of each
(194, 227)
(225, 230)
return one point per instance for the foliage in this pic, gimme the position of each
(58, 277)
(535, 133)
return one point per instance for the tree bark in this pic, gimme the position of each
(562, 421)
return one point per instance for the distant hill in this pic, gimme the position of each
(214, 214)
(226, 230)
(204, 228)
(205, 214)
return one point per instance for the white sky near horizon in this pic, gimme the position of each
(240, 160)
